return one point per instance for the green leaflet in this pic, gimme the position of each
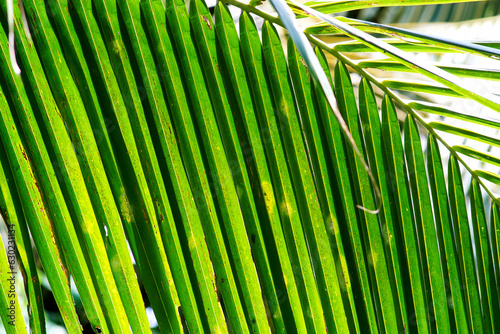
(192, 158)
(16, 238)
(224, 189)
(400, 189)
(429, 250)
(269, 250)
(99, 191)
(489, 296)
(333, 7)
(464, 72)
(385, 295)
(340, 165)
(195, 242)
(11, 211)
(303, 92)
(222, 165)
(464, 245)
(40, 222)
(391, 232)
(281, 179)
(302, 182)
(442, 214)
(213, 53)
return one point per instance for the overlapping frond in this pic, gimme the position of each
(219, 162)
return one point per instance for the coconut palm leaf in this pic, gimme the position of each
(164, 161)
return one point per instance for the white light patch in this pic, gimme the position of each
(151, 317)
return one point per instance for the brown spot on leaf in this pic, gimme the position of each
(207, 22)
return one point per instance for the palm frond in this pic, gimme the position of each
(160, 158)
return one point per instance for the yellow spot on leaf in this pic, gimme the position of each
(287, 208)
(267, 190)
(116, 46)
